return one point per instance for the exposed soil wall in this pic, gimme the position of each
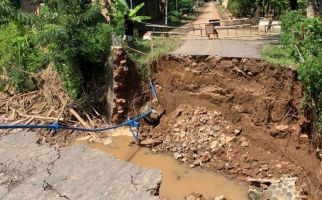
(122, 100)
(241, 117)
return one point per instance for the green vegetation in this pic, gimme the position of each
(251, 8)
(277, 54)
(301, 46)
(179, 8)
(119, 9)
(72, 35)
(153, 49)
(66, 33)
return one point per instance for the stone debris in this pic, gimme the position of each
(195, 137)
(195, 196)
(272, 189)
(200, 137)
(221, 197)
(280, 131)
(150, 142)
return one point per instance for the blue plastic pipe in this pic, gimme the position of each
(55, 126)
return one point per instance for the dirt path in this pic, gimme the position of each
(208, 12)
(243, 47)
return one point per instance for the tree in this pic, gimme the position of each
(311, 8)
(9, 11)
(71, 34)
(294, 4)
(119, 9)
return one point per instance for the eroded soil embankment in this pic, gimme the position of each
(238, 116)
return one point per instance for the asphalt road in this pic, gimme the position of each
(223, 48)
(32, 171)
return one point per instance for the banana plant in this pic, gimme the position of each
(120, 8)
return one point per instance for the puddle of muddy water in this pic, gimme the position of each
(178, 180)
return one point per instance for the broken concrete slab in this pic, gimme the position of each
(32, 171)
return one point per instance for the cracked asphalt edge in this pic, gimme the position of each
(46, 185)
(21, 152)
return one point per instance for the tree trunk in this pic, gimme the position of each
(166, 13)
(310, 9)
(294, 5)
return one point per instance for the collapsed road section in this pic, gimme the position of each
(237, 116)
(241, 117)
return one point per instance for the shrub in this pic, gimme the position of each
(184, 7)
(70, 34)
(302, 36)
(18, 56)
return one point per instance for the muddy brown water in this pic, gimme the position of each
(178, 180)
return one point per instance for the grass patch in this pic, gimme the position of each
(154, 49)
(278, 55)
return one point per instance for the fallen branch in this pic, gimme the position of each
(80, 119)
(41, 117)
(137, 51)
(62, 110)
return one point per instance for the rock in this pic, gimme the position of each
(120, 101)
(195, 196)
(264, 186)
(150, 142)
(182, 134)
(194, 64)
(244, 144)
(243, 139)
(303, 139)
(91, 140)
(177, 155)
(120, 111)
(282, 128)
(202, 129)
(229, 139)
(280, 131)
(204, 158)
(320, 156)
(265, 168)
(252, 195)
(197, 163)
(179, 112)
(237, 131)
(214, 144)
(216, 128)
(107, 141)
(187, 69)
(221, 197)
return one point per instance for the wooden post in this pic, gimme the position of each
(176, 5)
(166, 13)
